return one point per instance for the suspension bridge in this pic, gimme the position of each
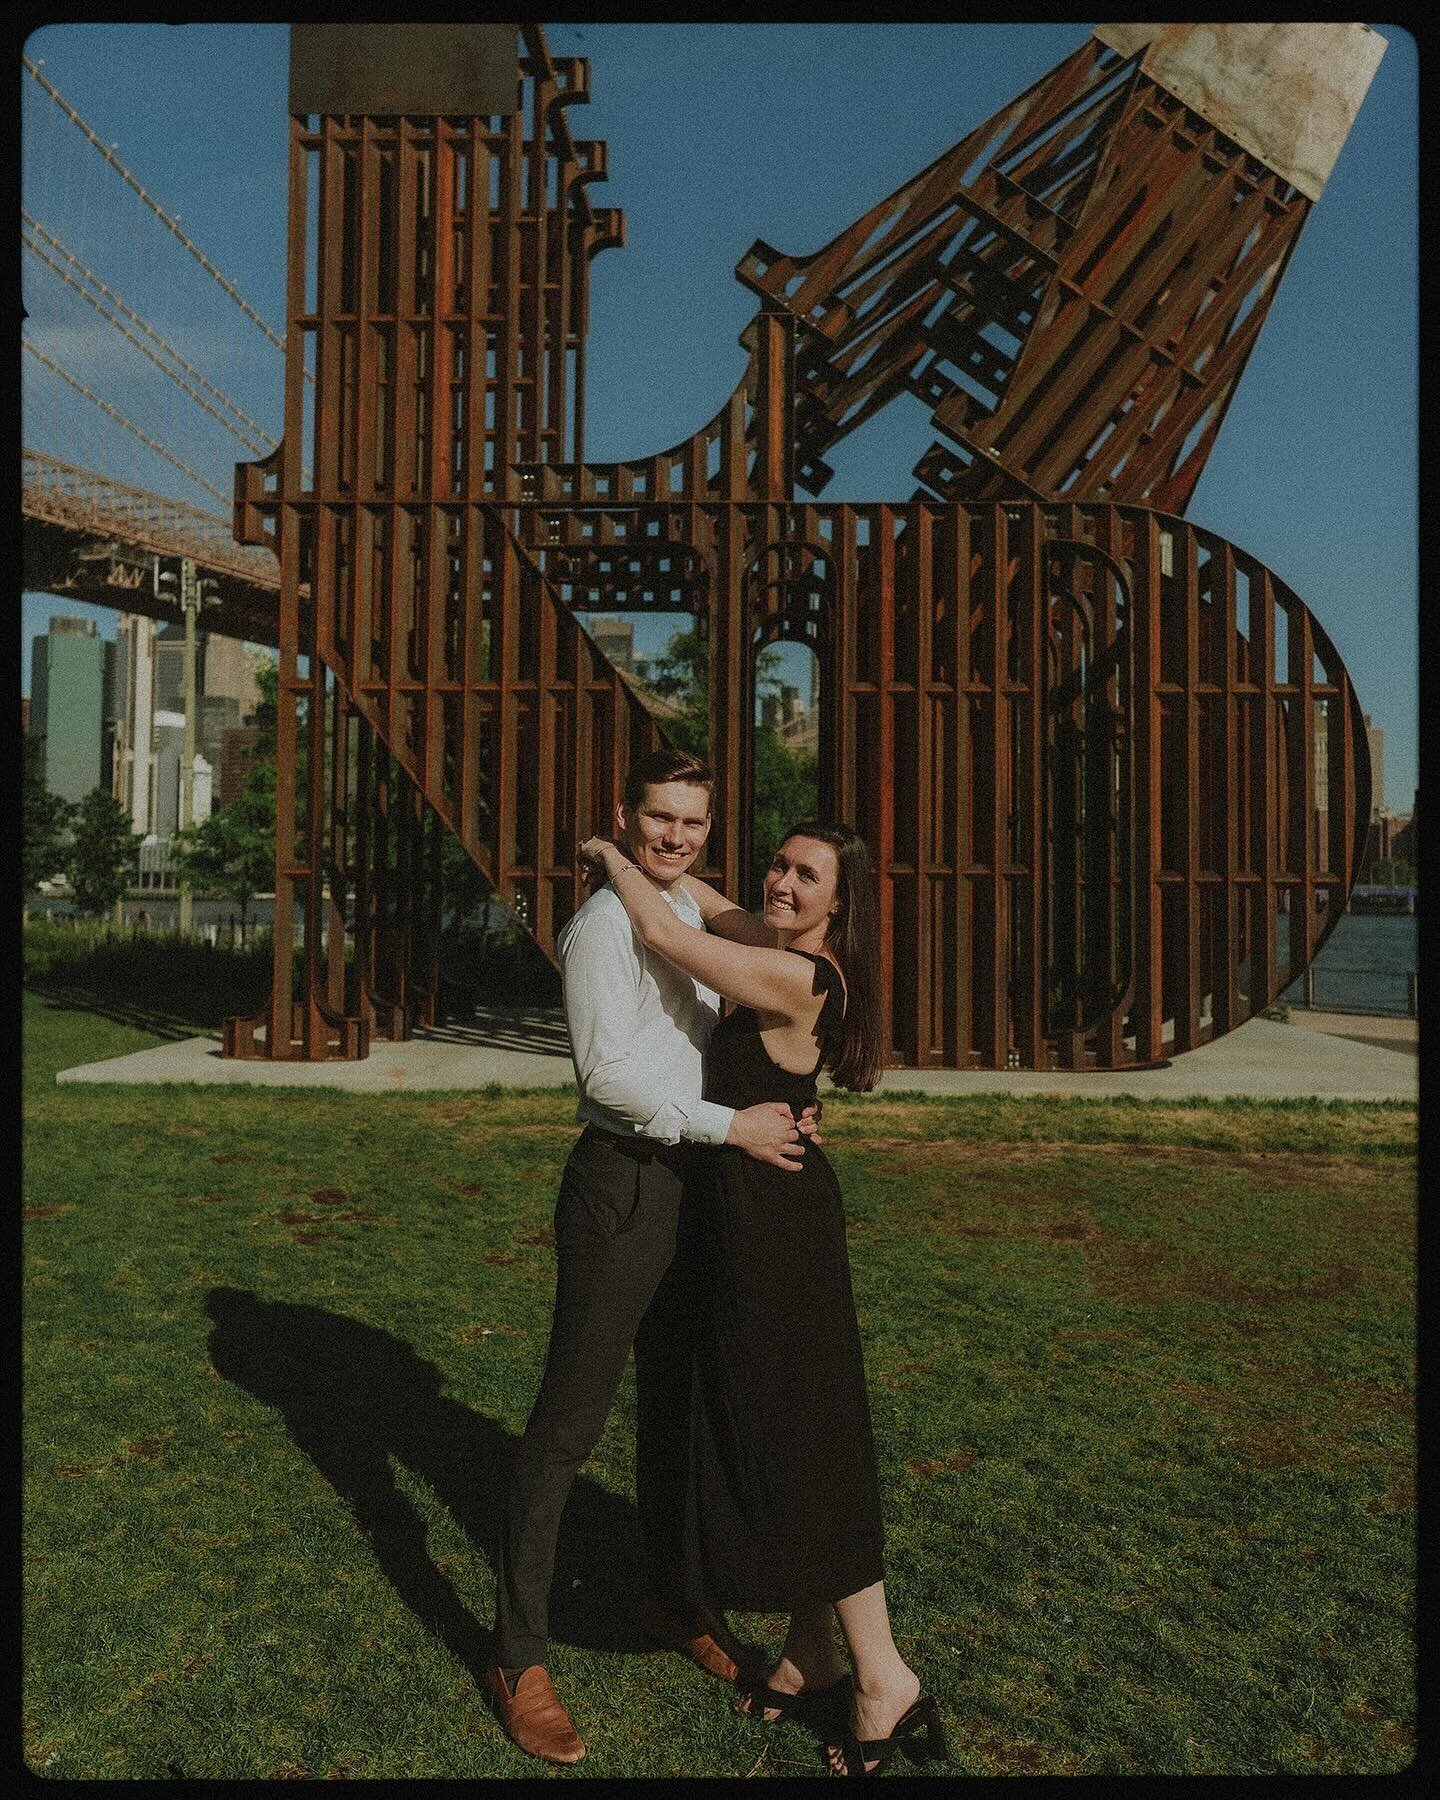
(147, 375)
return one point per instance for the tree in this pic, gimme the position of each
(267, 679)
(682, 675)
(786, 790)
(1391, 871)
(785, 783)
(232, 853)
(44, 819)
(100, 860)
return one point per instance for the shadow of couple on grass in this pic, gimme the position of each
(352, 1397)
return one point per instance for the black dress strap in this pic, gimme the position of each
(832, 1013)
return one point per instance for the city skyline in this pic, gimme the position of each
(1327, 410)
(111, 713)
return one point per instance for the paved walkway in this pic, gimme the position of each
(1326, 1055)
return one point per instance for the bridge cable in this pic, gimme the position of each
(262, 448)
(135, 318)
(120, 419)
(171, 224)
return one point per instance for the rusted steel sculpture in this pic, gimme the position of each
(1112, 770)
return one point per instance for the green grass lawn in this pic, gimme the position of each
(1141, 1378)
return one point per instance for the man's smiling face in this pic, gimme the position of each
(667, 830)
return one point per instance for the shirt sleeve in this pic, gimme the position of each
(600, 973)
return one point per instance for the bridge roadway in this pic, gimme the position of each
(88, 537)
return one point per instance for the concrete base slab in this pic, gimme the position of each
(1263, 1059)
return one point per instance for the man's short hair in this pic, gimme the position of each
(667, 765)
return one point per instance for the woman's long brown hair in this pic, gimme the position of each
(854, 940)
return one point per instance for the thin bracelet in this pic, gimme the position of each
(623, 868)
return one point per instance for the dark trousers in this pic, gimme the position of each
(616, 1283)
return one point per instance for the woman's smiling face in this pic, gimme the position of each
(801, 885)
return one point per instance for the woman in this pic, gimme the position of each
(784, 1506)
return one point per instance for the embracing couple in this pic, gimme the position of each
(699, 1221)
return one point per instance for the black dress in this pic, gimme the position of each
(784, 1501)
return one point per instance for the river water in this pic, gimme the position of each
(1364, 966)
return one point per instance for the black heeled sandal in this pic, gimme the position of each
(917, 1732)
(788, 1706)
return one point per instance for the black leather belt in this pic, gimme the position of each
(638, 1148)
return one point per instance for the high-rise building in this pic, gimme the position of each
(228, 669)
(615, 640)
(1404, 843)
(147, 709)
(69, 673)
(170, 667)
(132, 711)
(168, 738)
(1375, 737)
(169, 763)
(237, 743)
(218, 714)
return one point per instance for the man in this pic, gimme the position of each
(638, 1032)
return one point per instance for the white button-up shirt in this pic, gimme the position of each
(639, 1027)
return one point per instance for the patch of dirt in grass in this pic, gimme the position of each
(544, 1237)
(313, 1227)
(906, 1374)
(1267, 1435)
(1280, 1169)
(1074, 1231)
(1146, 1272)
(46, 1212)
(143, 1449)
(1399, 1495)
(927, 1468)
(1011, 1756)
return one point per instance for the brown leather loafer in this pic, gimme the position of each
(534, 1716)
(703, 1649)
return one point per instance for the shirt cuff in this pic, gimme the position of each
(707, 1123)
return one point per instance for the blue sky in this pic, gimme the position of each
(719, 134)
